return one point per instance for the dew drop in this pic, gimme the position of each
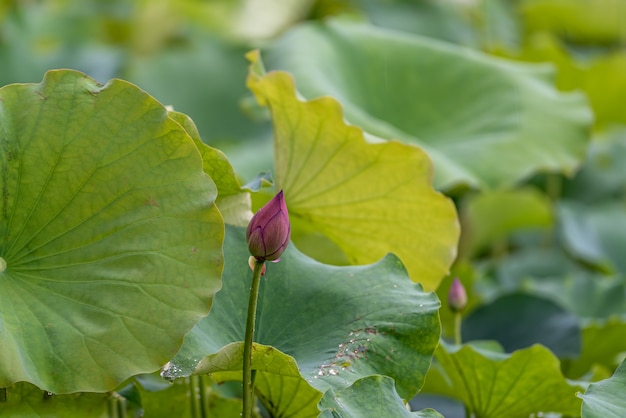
(3, 265)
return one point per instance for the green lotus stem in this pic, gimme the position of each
(198, 397)
(121, 406)
(116, 405)
(554, 186)
(457, 328)
(248, 375)
(196, 410)
(204, 401)
(193, 405)
(457, 302)
(112, 410)
(3, 394)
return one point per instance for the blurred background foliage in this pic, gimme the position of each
(189, 53)
(559, 239)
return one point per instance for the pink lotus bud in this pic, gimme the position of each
(457, 297)
(269, 229)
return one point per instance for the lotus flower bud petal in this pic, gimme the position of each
(457, 297)
(269, 230)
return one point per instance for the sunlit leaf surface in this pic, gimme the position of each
(369, 199)
(109, 232)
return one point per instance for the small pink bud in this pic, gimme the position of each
(457, 297)
(269, 229)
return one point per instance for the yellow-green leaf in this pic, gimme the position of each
(369, 199)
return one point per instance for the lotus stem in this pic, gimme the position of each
(248, 374)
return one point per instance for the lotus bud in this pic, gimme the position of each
(269, 229)
(457, 297)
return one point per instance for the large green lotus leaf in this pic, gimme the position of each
(26, 400)
(484, 121)
(368, 199)
(520, 320)
(494, 385)
(369, 397)
(492, 216)
(595, 233)
(108, 229)
(606, 399)
(603, 344)
(338, 323)
(232, 201)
